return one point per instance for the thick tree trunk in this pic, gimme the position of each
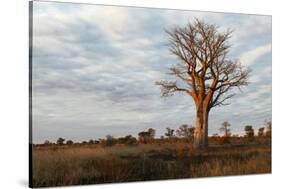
(201, 128)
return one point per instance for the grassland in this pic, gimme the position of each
(55, 165)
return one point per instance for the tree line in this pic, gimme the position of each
(184, 132)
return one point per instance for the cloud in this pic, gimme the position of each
(262, 75)
(250, 57)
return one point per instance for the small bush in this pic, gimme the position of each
(60, 141)
(69, 142)
(109, 141)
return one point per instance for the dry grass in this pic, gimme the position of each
(231, 164)
(93, 164)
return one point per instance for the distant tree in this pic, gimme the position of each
(215, 135)
(110, 140)
(125, 140)
(169, 133)
(84, 142)
(226, 133)
(91, 141)
(129, 139)
(261, 132)
(47, 142)
(225, 129)
(60, 141)
(182, 131)
(268, 126)
(249, 131)
(185, 131)
(96, 141)
(152, 132)
(146, 136)
(69, 142)
(120, 140)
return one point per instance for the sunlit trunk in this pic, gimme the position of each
(201, 128)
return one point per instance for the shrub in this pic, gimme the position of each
(60, 141)
(261, 132)
(109, 141)
(47, 142)
(69, 142)
(224, 140)
(129, 140)
(146, 136)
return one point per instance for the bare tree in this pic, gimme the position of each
(185, 131)
(205, 72)
(170, 132)
(225, 128)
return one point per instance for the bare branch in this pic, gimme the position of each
(204, 65)
(168, 88)
(179, 73)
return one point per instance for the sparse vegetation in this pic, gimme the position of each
(126, 159)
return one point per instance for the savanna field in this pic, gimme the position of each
(92, 74)
(76, 164)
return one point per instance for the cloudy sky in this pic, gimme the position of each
(94, 69)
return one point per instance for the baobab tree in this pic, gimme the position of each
(204, 71)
